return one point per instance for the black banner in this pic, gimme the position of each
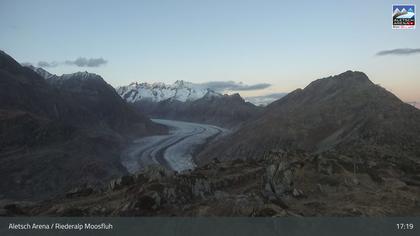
(209, 226)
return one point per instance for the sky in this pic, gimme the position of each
(281, 43)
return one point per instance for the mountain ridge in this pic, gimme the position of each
(336, 112)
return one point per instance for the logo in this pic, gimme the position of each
(403, 16)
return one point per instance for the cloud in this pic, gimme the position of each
(80, 62)
(87, 62)
(47, 64)
(265, 99)
(399, 52)
(233, 86)
(273, 95)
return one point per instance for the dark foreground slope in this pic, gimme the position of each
(346, 113)
(278, 184)
(57, 136)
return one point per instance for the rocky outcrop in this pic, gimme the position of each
(278, 180)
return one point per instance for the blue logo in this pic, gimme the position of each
(403, 16)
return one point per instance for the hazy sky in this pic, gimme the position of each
(277, 42)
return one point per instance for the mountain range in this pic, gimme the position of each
(179, 91)
(342, 146)
(189, 102)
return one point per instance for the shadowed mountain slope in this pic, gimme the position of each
(54, 136)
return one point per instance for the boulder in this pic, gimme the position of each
(149, 201)
(119, 183)
(278, 179)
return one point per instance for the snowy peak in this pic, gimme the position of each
(180, 90)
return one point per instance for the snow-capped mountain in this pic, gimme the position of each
(180, 90)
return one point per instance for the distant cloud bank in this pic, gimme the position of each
(265, 99)
(87, 62)
(80, 62)
(47, 64)
(399, 52)
(233, 86)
